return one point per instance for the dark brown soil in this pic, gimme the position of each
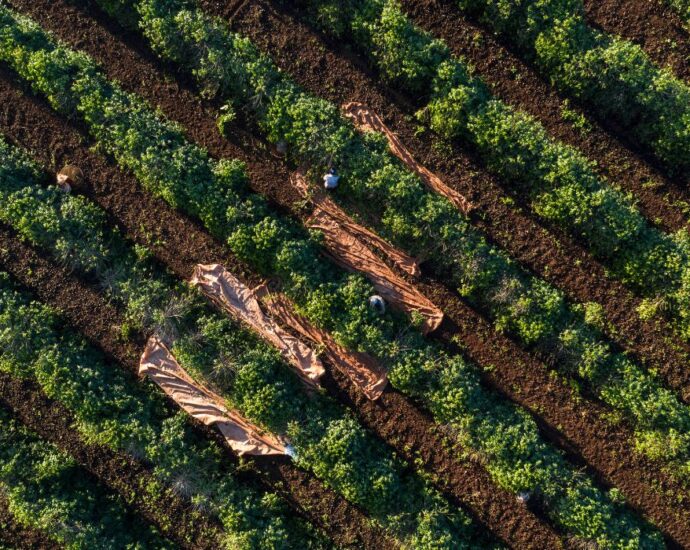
(517, 84)
(550, 254)
(516, 374)
(489, 502)
(652, 24)
(177, 520)
(392, 416)
(86, 311)
(19, 537)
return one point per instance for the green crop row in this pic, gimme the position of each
(560, 182)
(249, 373)
(48, 491)
(111, 409)
(424, 224)
(615, 77)
(505, 436)
(682, 7)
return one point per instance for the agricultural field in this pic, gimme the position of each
(369, 274)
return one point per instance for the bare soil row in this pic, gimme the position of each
(516, 83)
(99, 321)
(174, 518)
(518, 375)
(326, 70)
(392, 417)
(652, 24)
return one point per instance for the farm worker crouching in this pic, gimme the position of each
(378, 304)
(67, 177)
(330, 180)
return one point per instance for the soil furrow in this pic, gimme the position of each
(99, 322)
(392, 418)
(553, 256)
(663, 201)
(174, 518)
(515, 373)
(19, 537)
(652, 24)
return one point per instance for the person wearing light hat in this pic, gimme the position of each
(330, 180)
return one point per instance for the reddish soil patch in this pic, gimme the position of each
(652, 24)
(517, 374)
(177, 520)
(19, 537)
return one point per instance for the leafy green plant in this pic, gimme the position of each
(615, 77)
(48, 491)
(518, 458)
(250, 374)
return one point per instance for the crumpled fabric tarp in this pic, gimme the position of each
(323, 202)
(243, 437)
(349, 252)
(364, 371)
(224, 289)
(365, 119)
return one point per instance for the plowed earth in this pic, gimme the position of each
(575, 424)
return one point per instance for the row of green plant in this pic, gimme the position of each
(246, 371)
(110, 408)
(682, 7)
(46, 490)
(561, 184)
(424, 224)
(613, 76)
(506, 437)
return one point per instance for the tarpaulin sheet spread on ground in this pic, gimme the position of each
(343, 239)
(243, 437)
(367, 120)
(364, 371)
(232, 296)
(268, 312)
(321, 201)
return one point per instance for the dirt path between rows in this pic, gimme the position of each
(174, 518)
(516, 83)
(99, 322)
(652, 24)
(19, 537)
(652, 342)
(551, 255)
(518, 375)
(392, 417)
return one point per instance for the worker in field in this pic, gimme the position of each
(330, 179)
(69, 176)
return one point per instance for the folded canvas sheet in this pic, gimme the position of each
(367, 120)
(352, 254)
(232, 296)
(243, 437)
(220, 286)
(364, 371)
(322, 201)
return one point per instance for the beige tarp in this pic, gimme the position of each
(158, 363)
(350, 253)
(231, 295)
(323, 202)
(365, 119)
(362, 369)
